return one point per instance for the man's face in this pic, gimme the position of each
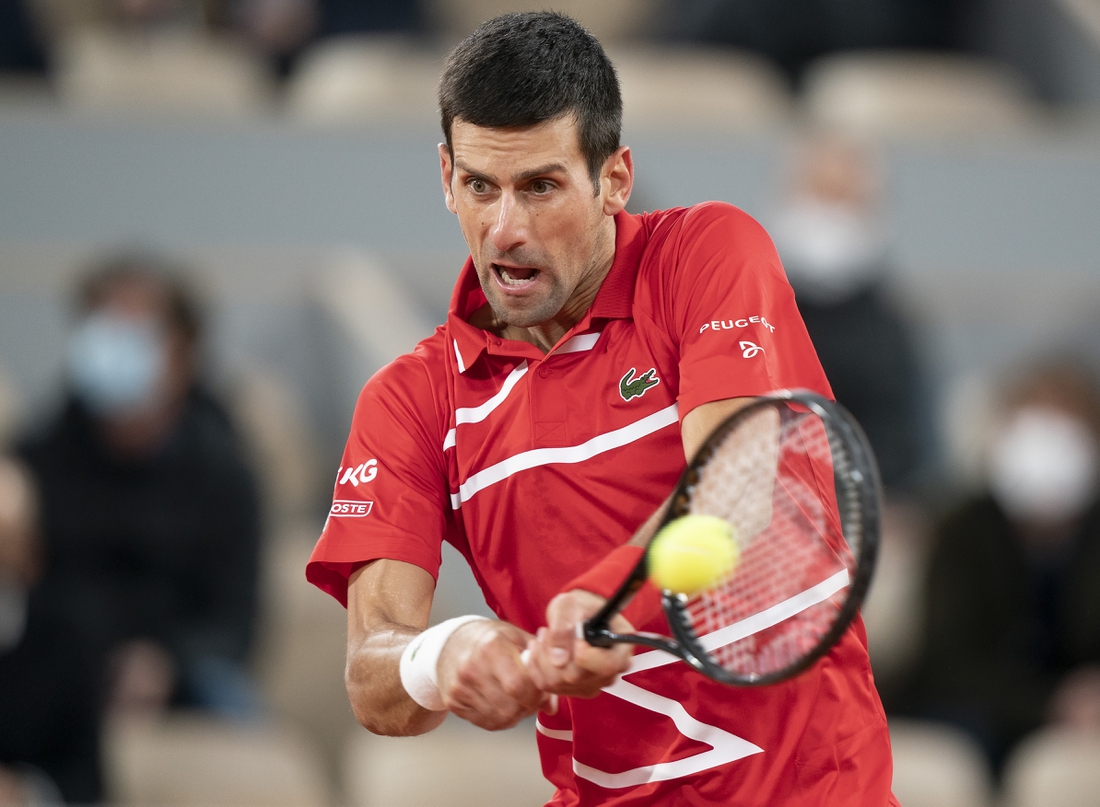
(541, 238)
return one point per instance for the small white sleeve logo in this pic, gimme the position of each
(358, 473)
(750, 349)
(730, 324)
(346, 508)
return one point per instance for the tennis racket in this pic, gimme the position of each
(795, 476)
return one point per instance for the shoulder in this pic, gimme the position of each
(210, 444)
(712, 242)
(411, 388)
(684, 241)
(416, 373)
(58, 425)
(715, 220)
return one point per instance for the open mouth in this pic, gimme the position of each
(515, 275)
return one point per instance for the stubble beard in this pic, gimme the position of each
(541, 311)
(538, 310)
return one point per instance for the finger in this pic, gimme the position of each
(572, 680)
(515, 680)
(561, 630)
(482, 679)
(488, 705)
(549, 702)
(608, 663)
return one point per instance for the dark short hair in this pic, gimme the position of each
(525, 68)
(181, 307)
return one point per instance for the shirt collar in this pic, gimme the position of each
(614, 300)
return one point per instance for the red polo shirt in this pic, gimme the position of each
(535, 466)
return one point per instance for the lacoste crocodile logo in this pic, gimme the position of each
(630, 387)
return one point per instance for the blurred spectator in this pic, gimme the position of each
(1012, 600)
(282, 29)
(833, 239)
(63, 17)
(149, 513)
(367, 16)
(49, 721)
(20, 46)
(795, 32)
(279, 30)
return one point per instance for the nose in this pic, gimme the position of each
(510, 228)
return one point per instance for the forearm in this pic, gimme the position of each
(468, 666)
(696, 427)
(388, 605)
(373, 681)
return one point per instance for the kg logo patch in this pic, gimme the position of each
(631, 387)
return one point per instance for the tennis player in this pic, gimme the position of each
(585, 353)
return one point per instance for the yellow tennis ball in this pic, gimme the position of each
(692, 553)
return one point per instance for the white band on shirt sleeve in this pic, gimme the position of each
(420, 659)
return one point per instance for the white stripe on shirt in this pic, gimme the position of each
(580, 343)
(476, 414)
(565, 455)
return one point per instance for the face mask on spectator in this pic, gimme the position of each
(1044, 466)
(829, 251)
(116, 364)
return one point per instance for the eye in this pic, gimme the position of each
(540, 186)
(478, 185)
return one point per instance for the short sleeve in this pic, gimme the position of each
(732, 310)
(390, 492)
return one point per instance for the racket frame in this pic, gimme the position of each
(846, 438)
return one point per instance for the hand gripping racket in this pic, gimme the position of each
(794, 474)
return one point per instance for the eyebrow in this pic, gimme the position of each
(542, 170)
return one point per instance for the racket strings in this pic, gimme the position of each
(783, 504)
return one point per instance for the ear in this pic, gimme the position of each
(617, 180)
(446, 171)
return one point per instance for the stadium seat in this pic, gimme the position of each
(271, 415)
(362, 297)
(303, 639)
(936, 765)
(699, 88)
(193, 761)
(890, 93)
(162, 73)
(362, 79)
(892, 612)
(11, 407)
(1054, 768)
(456, 765)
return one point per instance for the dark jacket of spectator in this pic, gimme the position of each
(49, 711)
(164, 548)
(868, 355)
(1002, 626)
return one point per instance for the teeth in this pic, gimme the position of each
(514, 281)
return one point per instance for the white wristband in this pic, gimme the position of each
(421, 658)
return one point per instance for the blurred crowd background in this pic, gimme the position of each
(219, 217)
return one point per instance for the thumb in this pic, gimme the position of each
(560, 633)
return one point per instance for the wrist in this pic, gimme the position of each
(420, 662)
(605, 577)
